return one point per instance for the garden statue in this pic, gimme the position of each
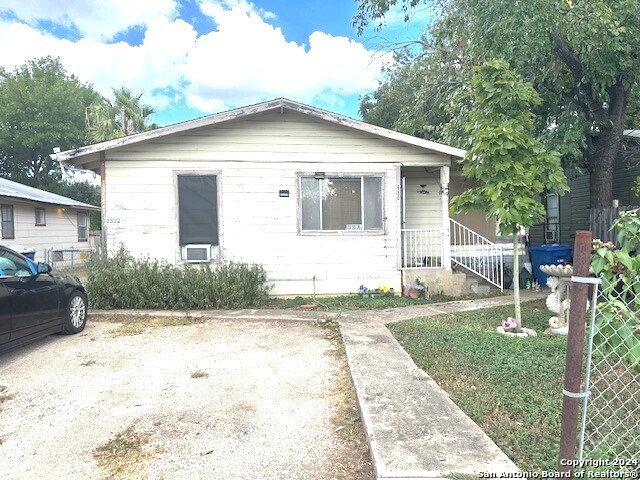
(559, 303)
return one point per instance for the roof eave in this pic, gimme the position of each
(83, 206)
(280, 103)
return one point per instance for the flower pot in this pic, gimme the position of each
(413, 293)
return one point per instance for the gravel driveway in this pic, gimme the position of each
(216, 400)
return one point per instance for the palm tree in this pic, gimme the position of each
(125, 116)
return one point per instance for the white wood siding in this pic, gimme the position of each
(275, 137)
(422, 210)
(256, 158)
(60, 231)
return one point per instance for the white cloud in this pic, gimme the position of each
(96, 19)
(213, 8)
(247, 59)
(157, 63)
(244, 60)
(205, 104)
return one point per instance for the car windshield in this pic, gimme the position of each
(12, 264)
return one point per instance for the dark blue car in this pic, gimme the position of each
(35, 303)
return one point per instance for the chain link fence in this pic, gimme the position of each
(610, 436)
(71, 261)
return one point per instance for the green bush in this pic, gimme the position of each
(121, 281)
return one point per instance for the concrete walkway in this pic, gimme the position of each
(414, 429)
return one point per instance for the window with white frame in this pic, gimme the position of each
(6, 212)
(41, 217)
(552, 228)
(335, 203)
(83, 228)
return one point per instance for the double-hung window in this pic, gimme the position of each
(6, 212)
(41, 217)
(336, 203)
(83, 227)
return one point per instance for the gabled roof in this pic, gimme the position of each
(23, 192)
(280, 104)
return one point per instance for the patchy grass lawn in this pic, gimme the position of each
(136, 324)
(350, 302)
(354, 462)
(511, 387)
(123, 457)
(4, 397)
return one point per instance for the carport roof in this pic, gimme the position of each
(19, 191)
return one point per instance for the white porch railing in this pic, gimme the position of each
(477, 254)
(422, 247)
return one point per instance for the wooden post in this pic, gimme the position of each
(575, 351)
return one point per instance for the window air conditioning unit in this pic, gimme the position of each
(198, 252)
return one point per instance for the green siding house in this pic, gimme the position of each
(570, 212)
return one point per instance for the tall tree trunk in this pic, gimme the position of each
(607, 112)
(601, 163)
(601, 157)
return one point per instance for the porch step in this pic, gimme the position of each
(474, 284)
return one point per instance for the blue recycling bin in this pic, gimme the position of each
(30, 255)
(548, 255)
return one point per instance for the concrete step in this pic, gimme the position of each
(474, 284)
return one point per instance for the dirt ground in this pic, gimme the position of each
(212, 400)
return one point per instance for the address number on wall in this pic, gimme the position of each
(113, 220)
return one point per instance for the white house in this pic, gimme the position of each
(34, 218)
(324, 202)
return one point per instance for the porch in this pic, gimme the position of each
(431, 239)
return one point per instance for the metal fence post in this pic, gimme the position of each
(575, 350)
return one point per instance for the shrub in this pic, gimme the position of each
(618, 330)
(122, 281)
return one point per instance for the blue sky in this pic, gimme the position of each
(195, 57)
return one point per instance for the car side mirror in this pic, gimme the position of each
(43, 268)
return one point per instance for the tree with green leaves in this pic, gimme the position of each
(41, 107)
(580, 55)
(123, 116)
(504, 156)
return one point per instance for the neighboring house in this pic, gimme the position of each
(35, 218)
(324, 202)
(569, 213)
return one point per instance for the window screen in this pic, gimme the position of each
(372, 203)
(83, 230)
(311, 211)
(41, 218)
(198, 209)
(7, 221)
(341, 203)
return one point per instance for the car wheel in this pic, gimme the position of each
(76, 317)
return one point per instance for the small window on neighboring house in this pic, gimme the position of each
(7, 221)
(341, 203)
(552, 228)
(83, 228)
(41, 217)
(198, 217)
